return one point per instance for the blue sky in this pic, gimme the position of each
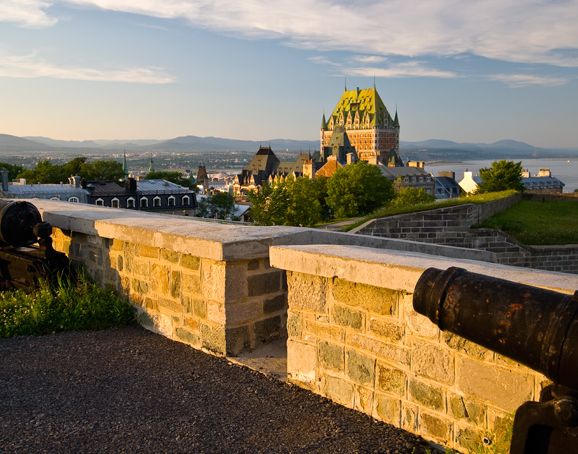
(253, 69)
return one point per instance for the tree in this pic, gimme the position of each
(270, 204)
(223, 203)
(501, 175)
(105, 170)
(44, 172)
(172, 176)
(13, 170)
(407, 197)
(358, 189)
(306, 203)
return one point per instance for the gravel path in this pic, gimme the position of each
(128, 390)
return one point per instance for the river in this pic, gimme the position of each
(565, 169)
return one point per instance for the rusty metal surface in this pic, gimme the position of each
(533, 326)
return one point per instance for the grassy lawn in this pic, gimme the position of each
(539, 223)
(390, 211)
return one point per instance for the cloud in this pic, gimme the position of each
(407, 69)
(525, 80)
(369, 59)
(27, 13)
(30, 66)
(528, 31)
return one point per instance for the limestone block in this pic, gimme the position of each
(373, 299)
(331, 356)
(160, 278)
(294, 324)
(187, 336)
(261, 284)
(213, 280)
(170, 307)
(466, 347)
(146, 251)
(275, 304)
(339, 390)
(471, 439)
(317, 329)
(345, 316)
(505, 388)
(500, 426)
(175, 284)
(390, 379)
(430, 396)
(190, 262)
(268, 329)
(236, 285)
(359, 368)
(418, 324)
(387, 409)
(237, 340)
(394, 354)
(431, 361)
(409, 416)
(306, 292)
(302, 362)
(466, 409)
(170, 256)
(213, 338)
(385, 328)
(216, 312)
(191, 284)
(363, 399)
(436, 427)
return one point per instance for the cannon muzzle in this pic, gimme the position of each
(533, 326)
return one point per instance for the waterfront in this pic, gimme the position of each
(565, 169)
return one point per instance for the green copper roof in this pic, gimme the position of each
(365, 101)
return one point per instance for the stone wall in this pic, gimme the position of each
(452, 226)
(355, 338)
(207, 284)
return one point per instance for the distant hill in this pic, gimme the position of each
(195, 143)
(427, 150)
(10, 143)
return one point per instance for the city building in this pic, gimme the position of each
(470, 183)
(148, 195)
(20, 189)
(543, 182)
(369, 127)
(446, 186)
(409, 177)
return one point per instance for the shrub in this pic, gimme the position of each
(61, 307)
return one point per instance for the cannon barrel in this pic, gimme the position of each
(533, 326)
(17, 223)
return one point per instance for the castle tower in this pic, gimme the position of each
(370, 128)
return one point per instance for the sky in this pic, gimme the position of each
(470, 71)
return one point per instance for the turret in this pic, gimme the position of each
(323, 123)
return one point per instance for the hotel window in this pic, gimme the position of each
(144, 202)
(130, 202)
(157, 202)
(99, 202)
(55, 198)
(115, 203)
(171, 201)
(73, 199)
(186, 201)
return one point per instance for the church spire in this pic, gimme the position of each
(345, 84)
(396, 119)
(124, 165)
(323, 122)
(151, 168)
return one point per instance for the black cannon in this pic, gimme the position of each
(22, 262)
(533, 326)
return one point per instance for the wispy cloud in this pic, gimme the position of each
(369, 59)
(530, 31)
(525, 80)
(30, 66)
(407, 69)
(27, 13)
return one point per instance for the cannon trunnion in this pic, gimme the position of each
(22, 262)
(533, 326)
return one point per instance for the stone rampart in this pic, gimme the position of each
(355, 338)
(452, 226)
(207, 284)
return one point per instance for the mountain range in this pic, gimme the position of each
(428, 150)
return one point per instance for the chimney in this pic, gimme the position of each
(4, 179)
(131, 185)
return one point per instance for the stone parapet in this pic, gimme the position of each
(207, 284)
(354, 337)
